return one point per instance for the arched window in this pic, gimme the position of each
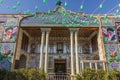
(22, 61)
(60, 47)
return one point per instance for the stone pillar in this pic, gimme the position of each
(46, 53)
(18, 45)
(100, 48)
(76, 49)
(72, 55)
(90, 65)
(41, 50)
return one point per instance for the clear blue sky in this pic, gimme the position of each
(90, 6)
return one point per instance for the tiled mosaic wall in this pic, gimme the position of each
(111, 42)
(8, 35)
(113, 56)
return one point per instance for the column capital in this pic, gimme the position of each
(74, 29)
(45, 29)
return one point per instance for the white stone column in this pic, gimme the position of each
(82, 63)
(90, 65)
(46, 52)
(72, 53)
(96, 67)
(41, 50)
(76, 49)
(103, 65)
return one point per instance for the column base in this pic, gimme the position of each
(73, 77)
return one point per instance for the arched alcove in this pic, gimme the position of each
(22, 61)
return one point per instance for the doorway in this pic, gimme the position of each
(60, 66)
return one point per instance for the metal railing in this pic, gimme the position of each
(93, 56)
(58, 76)
(93, 64)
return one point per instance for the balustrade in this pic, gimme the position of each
(93, 64)
(59, 76)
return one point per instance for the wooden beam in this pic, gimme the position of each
(92, 35)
